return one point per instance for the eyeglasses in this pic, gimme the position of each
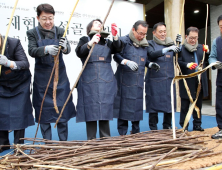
(141, 34)
(193, 38)
(44, 19)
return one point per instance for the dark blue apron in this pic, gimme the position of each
(128, 104)
(97, 87)
(43, 69)
(219, 58)
(16, 107)
(157, 88)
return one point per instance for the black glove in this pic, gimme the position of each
(154, 66)
(179, 39)
(63, 43)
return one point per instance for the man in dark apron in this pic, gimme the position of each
(216, 56)
(190, 57)
(128, 104)
(44, 41)
(161, 50)
(15, 80)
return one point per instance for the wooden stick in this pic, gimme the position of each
(6, 35)
(50, 78)
(56, 76)
(154, 165)
(91, 50)
(55, 83)
(181, 17)
(176, 84)
(205, 39)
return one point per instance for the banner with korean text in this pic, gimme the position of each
(123, 13)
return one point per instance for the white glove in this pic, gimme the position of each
(52, 49)
(133, 65)
(173, 48)
(63, 43)
(95, 39)
(154, 66)
(219, 65)
(4, 61)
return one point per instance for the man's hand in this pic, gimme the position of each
(179, 39)
(206, 48)
(52, 49)
(154, 66)
(219, 65)
(191, 66)
(63, 43)
(133, 65)
(4, 61)
(174, 48)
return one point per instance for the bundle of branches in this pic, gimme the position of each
(145, 150)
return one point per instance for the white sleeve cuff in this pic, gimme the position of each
(123, 61)
(150, 64)
(15, 66)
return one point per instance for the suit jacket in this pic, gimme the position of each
(186, 57)
(15, 52)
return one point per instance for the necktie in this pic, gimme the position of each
(196, 61)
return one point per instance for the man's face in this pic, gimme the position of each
(160, 32)
(140, 33)
(96, 26)
(192, 38)
(46, 20)
(220, 25)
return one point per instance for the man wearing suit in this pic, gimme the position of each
(190, 57)
(15, 80)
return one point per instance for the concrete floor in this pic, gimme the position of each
(208, 109)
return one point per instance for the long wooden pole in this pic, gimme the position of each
(56, 76)
(172, 97)
(6, 35)
(90, 52)
(56, 60)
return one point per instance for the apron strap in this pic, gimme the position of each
(55, 33)
(106, 40)
(37, 30)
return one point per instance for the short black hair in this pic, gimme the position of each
(219, 19)
(140, 22)
(158, 24)
(193, 29)
(47, 8)
(89, 26)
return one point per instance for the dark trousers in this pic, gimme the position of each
(62, 129)
(185, 103)
(4, 140)
(91, 129)
(219, 106)
(153, 121)
(123, 126)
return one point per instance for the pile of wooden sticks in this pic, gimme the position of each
(145, 150)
